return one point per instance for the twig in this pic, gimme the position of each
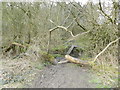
(109, 18)
(62, 27)
(71, 23)
(65, 19)
(49, 43)
(78, 35)
(105, 49)
(52, 22)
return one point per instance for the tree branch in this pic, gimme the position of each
(78, 22)
(51, 30)
(101, 9)
(105, 49)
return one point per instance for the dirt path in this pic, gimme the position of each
(64, 76)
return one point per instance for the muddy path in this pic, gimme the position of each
(64, 76)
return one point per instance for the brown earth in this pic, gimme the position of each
(64, 76)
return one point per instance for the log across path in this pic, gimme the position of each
(64, 76)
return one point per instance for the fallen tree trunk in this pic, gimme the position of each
(76, 60)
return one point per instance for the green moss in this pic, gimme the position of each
(47, 57)
(57, 55)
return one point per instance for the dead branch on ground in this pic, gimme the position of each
(12, 45)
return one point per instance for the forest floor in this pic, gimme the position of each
(25, 72)
(64, 76)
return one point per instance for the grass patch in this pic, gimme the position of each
(102, 86)
(96, 81)
(107, 74)
(46, 63)
(39, 66)
(99, 83)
